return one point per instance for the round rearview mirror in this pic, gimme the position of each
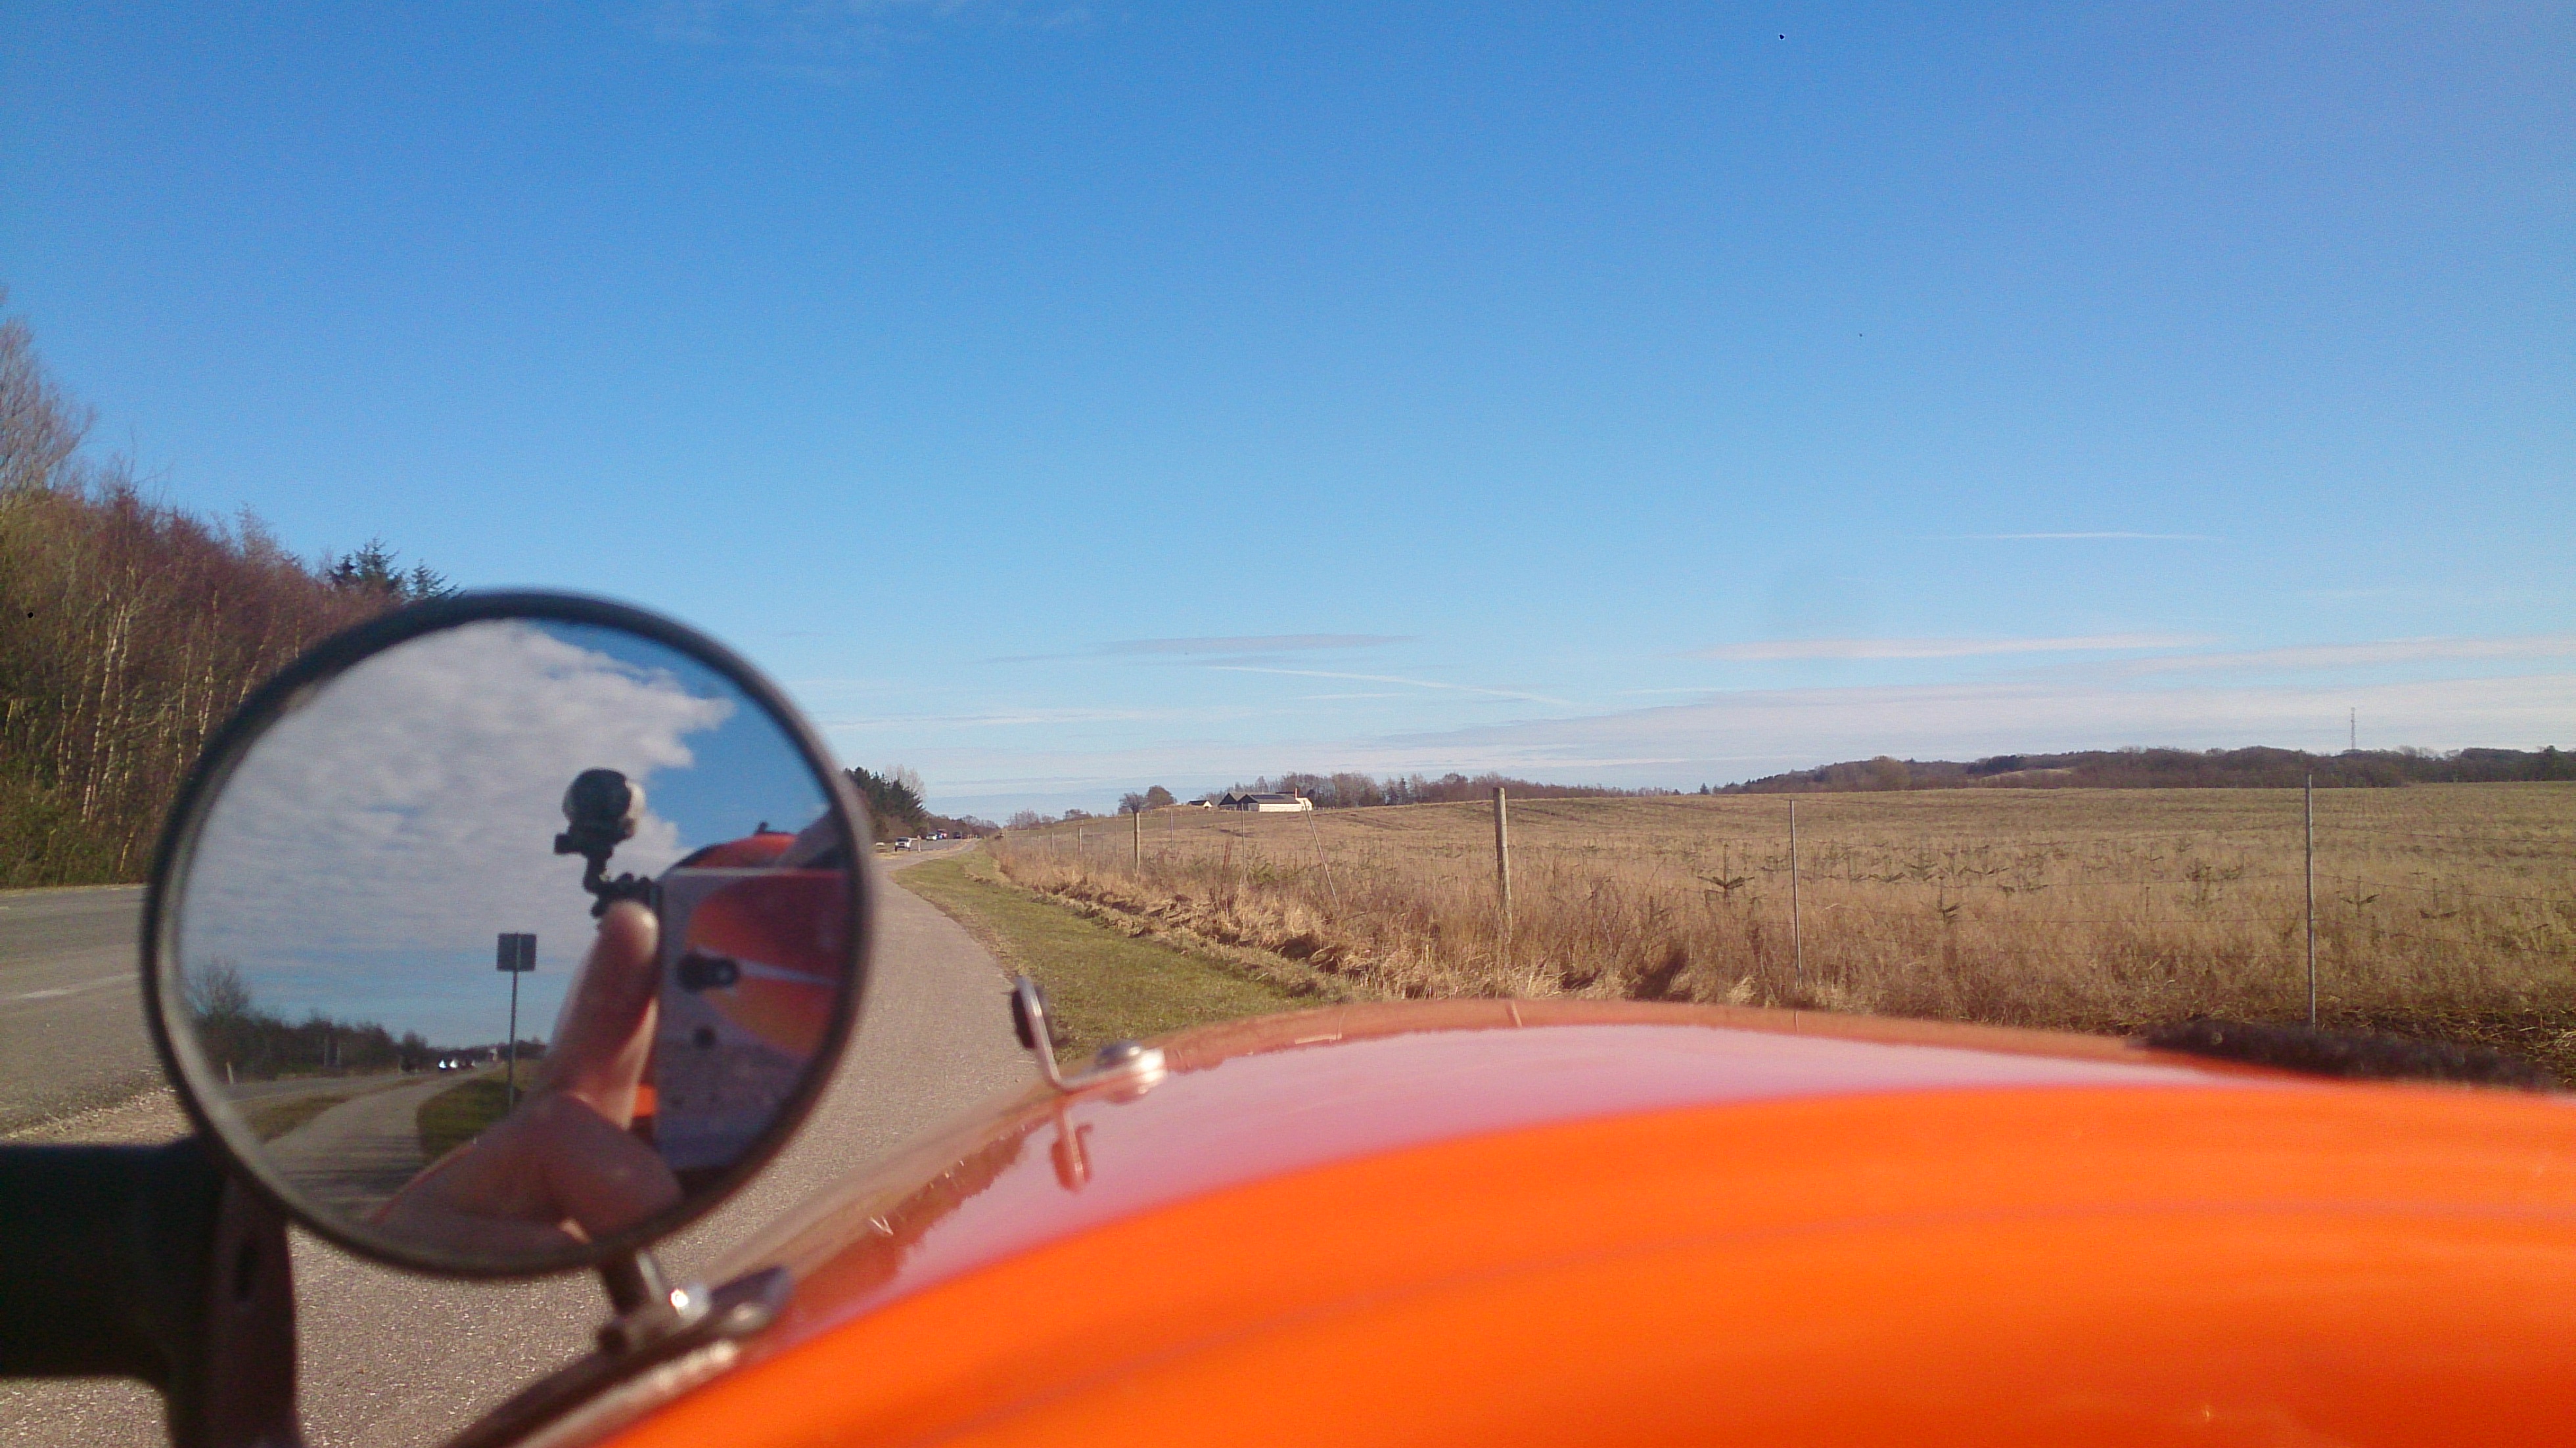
(507, 933)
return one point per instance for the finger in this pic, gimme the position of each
(605, 1033)
(600, 1177)
(556, 1172)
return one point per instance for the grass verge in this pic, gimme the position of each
(278, 1118)
(458, 1114)
(1104, 985)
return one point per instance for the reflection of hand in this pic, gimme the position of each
(563, 1167)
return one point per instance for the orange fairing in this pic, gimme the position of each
(790, 929)
(1950, 1246)
(751, 852)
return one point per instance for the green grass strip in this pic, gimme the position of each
(1102, 985)
(278, 1118)
(459, 1114)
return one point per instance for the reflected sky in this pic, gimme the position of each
(367, 852)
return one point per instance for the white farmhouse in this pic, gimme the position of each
(1264, 803)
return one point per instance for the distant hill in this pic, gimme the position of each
(2255, 768)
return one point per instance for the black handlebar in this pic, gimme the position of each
(151, 1263)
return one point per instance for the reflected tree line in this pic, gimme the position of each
(250, 1043)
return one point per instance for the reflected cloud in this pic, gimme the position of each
(367, 852)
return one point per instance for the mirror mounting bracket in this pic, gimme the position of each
(649, 1309)
(651, 1329)
(1133, 1068)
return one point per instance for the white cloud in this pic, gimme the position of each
(1787, 649)
(371, 846)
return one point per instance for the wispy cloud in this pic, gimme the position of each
(1394, 679)
(1746, 732)
(836, 40)
(1788, 649)
(2086, 538)
(1218, 646)
(1740, 734)
(2373, 654)
(1253, 644)
(1012, 718)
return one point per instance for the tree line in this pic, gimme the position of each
(895, 806)
(1360, 791)
(2251, 768)
(254, 1044)
(129, 630)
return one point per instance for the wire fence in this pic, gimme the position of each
(2079, 908)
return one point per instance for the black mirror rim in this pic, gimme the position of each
(327, 660)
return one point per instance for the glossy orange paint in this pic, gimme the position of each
(1629, 1225)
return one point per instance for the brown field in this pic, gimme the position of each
(2441, 910)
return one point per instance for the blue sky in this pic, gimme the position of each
(1065, 398)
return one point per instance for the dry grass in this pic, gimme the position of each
(2445, 911)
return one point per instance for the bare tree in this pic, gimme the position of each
(215, 991)
(40, 429)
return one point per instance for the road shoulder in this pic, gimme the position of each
(1104, 984)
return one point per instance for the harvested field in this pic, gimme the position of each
(2443, 911)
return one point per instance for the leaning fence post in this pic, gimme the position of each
(1315, 828)
(1503, 857)
(2310, 793)
(1797, 939)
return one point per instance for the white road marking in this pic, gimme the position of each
(59, 991)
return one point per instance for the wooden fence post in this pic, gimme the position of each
(2309, 794)
(1315, 828)
(1797, 938)
(1503, 856)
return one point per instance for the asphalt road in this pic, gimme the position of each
(71, 1018)
(393, 1361)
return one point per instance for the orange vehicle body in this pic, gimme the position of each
(1495, 1222)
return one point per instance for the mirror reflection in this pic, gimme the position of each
(511, 936)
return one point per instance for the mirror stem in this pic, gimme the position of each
(1029, 1021)
(649, 1309)
(634, 1282)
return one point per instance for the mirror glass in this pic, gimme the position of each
(509, 939)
